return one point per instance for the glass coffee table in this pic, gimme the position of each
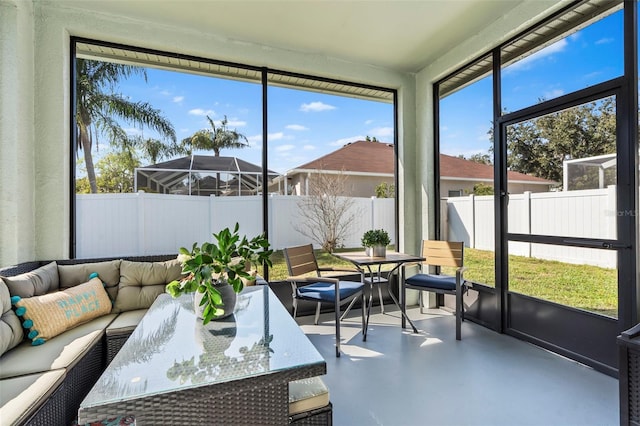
(173, 370)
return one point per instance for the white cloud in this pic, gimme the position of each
(308, 147)
(178, 99)
(275, 136)
(284, 148)
(605, 40)
(368, 122)
(382, 132)
(316, 107)
(201, 112)
(298, 127)
(236, 123)
(165, 93)
(526, 63)
(344, 141)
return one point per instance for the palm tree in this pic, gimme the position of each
(98, 108)
(215, 139)
(154, 149)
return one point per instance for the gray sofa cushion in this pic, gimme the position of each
(126, 322)
(20, 395)
(11, 333)
(35, 283)
(142, 282)
(108, 272)
(63, 351)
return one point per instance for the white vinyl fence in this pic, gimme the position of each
(584, 214)
(145, 224)
(142, 224)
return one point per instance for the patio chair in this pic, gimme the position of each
(441, 253)
(307, 283)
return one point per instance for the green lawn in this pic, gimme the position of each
(279, 270)
(581, 286)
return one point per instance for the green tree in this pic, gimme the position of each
(214, 139)
(384, 190)
(116, 172)
(82, 186)
(482, 189)
(540, 146)
(481, 158)
(154, 149)
(98, 109)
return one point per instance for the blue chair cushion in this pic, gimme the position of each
(326, 292)
(440, 282)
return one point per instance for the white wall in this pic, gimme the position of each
(143, 224)
(17, 144)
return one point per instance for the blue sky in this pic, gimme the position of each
(589, 56)
(302, 125)
(305, 125)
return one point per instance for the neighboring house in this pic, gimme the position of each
(458, 176)
(367, 164)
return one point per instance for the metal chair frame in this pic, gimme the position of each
(303, 269)
(438, 254)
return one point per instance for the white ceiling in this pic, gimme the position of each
(394, 34)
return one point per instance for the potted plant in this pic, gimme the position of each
(375, 242)
(215, 271)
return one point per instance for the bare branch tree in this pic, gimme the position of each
(326, 212)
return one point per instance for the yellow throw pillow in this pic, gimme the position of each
(51, 314)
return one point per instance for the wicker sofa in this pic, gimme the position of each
(45, 384)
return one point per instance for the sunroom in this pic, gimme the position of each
(523, 86)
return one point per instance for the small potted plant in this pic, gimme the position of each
(215, 271)
(375, 242)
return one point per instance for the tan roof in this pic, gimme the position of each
(377, 157)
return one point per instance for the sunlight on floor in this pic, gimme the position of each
(397, 376)
(359, 352)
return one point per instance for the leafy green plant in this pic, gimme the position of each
(375, 237)
(227, 260)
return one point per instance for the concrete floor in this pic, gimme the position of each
(399, 378)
